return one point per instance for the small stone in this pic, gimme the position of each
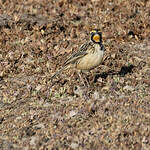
(78, 91)
(129, 88)
(74, 145)
(147, 81)
(105, 88)
(72, 113)
(39, 126)
(144, 140)
(33, 140)
(113, 55)
(38, 88)
(18, 118)
(95, 95)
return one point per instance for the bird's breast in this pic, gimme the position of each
(91, 60)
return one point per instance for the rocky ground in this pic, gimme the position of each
(36, 37)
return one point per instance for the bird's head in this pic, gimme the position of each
(96, 36)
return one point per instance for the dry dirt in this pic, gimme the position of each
(36, 37)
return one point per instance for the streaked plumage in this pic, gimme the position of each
(88, 56)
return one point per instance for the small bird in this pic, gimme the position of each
(89, 55)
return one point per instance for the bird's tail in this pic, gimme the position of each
(58, 72)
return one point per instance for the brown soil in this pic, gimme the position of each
(36, 113)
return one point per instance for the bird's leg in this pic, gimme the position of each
(83, 79)
(93, 77)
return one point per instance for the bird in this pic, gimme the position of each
(87, 57)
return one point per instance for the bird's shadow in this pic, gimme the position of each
(123, 71)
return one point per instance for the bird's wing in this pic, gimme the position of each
(83, 50)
